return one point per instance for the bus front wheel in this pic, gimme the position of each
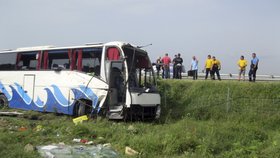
(3, 101)
(81, 109)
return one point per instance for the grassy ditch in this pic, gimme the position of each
(199, 119)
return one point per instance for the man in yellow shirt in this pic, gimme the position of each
(242, 63)
(208, 66)
(216, 67)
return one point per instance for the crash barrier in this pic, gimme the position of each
(233, 77)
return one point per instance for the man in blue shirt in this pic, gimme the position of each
(194, 67)
(253, 68)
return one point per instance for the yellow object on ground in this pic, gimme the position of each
(80, 119)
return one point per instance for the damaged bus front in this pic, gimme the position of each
(132, 85)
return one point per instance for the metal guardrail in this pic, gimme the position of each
(235, 77)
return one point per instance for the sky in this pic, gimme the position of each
(226, 29)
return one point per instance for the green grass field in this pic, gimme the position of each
(199, 119)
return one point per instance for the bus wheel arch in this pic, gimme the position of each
(82, 107)
(4, 103)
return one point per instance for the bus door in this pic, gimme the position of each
(29, 84)
(116, 80)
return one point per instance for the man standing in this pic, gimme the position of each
(216, 67)
(178, 66)
(166, 63)
(174, 66)
(242, 63)
(158, 66)
(253, 67)
(194, 67)
(208, 66)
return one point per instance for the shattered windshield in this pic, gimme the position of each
(141, 74)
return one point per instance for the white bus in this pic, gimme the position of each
(115, 79)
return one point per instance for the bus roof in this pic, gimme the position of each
(50, 47)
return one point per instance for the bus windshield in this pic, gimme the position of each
(141, 74)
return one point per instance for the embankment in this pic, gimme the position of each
(218, 99)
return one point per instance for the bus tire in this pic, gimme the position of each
(3, 101)
(81, 109)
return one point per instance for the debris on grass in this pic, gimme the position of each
(80, 119)
(28, 148)
(38, 128)
(21, 129)
(76, 140)
(132, 129)
(14, 113)
(83, 141)
(61, 151)
(131, 152)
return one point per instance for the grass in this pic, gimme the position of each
(199, 119)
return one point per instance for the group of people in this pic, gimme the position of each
(242, 64)
(164, 65)
(212, 67)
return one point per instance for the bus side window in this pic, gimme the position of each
(8, 61)
(27, 61)
(91, 58)
(58, 59)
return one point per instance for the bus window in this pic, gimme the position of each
(90, 60)
(7, 61)
(58, 58)
(27, 61)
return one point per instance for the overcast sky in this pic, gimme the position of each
(224, 28)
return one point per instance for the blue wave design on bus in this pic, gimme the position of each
(3, 89)
(39, 102)
(23, 95)
(59, 96)
(56, 101)
(53, 105)
(17, 100)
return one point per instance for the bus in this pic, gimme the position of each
(114, 79)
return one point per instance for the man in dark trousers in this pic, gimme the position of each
(208, 66)
(174, 65)
(178, 66)
(216, 67)
(194, 67)
(253, 67)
